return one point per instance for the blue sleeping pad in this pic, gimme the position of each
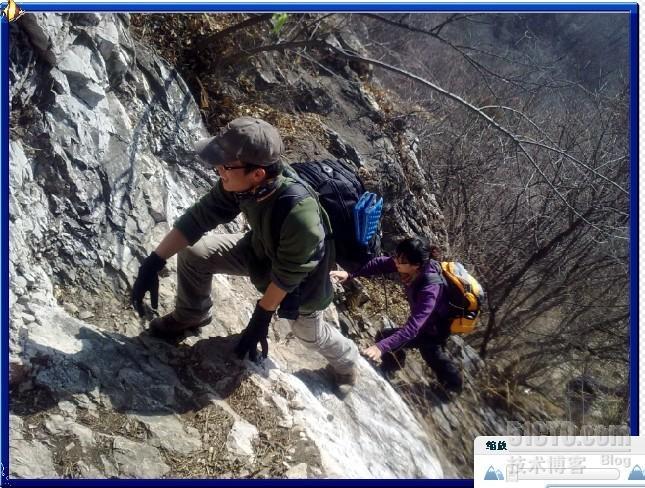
(367, 214)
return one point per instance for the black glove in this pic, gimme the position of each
(147, 280)
(256, 332)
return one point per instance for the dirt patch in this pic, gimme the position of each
(113, 424)
(213, 461)
(366, 302)
(103, 309)
(278, 447)
(273, 443)
(386, 296)
(175, 36)
(66, 455)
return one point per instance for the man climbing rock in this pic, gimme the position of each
(292, 270)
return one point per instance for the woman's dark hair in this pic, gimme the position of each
(271, 171)
(436, 253)
(415, 250)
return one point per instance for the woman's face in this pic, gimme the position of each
(403, 266)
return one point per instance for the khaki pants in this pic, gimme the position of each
(228, 254)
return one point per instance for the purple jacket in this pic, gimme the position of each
(427, 306)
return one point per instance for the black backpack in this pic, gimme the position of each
(338, 189)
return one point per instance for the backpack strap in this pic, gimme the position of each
(289, 198)
(286, 201)
(438, 278)
(431, 278)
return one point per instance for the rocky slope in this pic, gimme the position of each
(101, 165)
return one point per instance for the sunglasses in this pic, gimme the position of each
(230, 168)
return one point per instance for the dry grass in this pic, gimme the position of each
(112, 423)
(275, 442)
(384, 97)
(385, 297)
(394, 106)
(172, 35)
(292, 127)
(213, 461)
(177, 37)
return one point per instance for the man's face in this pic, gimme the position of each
(235, 179)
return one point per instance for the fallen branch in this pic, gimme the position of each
(257, 19)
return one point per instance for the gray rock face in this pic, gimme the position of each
(47, 34)
(97, 177)
(240, 439)
(30, 459)
(168, 432)
(97, 158)
(138, 460)
(299, 471)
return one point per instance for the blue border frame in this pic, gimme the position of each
(330, 6)
(4, 249)
(270, 482)
(633, 219)
(631, 8)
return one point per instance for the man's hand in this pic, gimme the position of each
(256, 332)
(372, 352)
(338, 276)
(147, 281)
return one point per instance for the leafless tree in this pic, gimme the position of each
(535, 193)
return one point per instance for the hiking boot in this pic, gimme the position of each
(454, 386)
(387, 371)
(455, 389)
(446, 392)
(168, 326)
(344, 382)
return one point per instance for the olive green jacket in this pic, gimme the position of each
(302, 257)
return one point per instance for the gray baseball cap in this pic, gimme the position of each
(251, 140)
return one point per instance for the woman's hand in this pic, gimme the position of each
(372, 352)
(338, 276)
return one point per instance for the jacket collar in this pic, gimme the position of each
(261, 191)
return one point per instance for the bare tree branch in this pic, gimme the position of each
(515, 139)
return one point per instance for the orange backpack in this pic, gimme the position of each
(465, 295)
